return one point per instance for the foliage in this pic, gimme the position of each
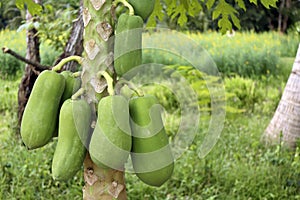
(9, 66)
(8, 98)
(259, 19)
(10, 16)
(55, 24)
(33, 8)
(225, 13)
(246, 54)
(239, 166)
(253, 96)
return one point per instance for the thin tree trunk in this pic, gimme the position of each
(74, 45)
(286, 16)
(100, 184)
(285, 124)
(33, 54)
(279, 28)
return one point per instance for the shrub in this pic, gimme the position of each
(245, 54)
(9, 66)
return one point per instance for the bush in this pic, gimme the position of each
(9, 66)
(8, 98)
(245, 54)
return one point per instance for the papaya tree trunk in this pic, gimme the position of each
(30, 75)
(285, 124)
(100, 184)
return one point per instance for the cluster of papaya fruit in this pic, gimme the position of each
(51, 112)
(124, 127)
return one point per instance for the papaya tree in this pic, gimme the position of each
(112, 28)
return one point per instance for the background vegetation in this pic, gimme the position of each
(254, 63)
(239, 166)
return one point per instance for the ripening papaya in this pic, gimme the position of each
(40, 115)
(128, 43)
(111, 139)
(143, 8)
(73, 131)
(151, 154)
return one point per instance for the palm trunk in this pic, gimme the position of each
(100, 184)
(285, 125)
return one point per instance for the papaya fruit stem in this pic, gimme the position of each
(131, 86)
(76, 74)
(126, 4)
(66, 60)
(109, 81)
(78, 94)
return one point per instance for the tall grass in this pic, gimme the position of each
(246, 54)
(238, 167)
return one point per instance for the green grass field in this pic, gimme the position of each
(238, 167)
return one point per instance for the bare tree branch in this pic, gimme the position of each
(36, 65)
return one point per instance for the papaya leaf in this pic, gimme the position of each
(241, 4)
(181, 11)
(224, 24)
(225, 10)
(194, 8)
(236, 21)
(185, 4)
(20, 4)
(171, 7)
(268, 3)
(156, 14)
(253, 1)
(210, 3)
(33, 8)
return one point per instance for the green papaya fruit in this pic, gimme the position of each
(128, 43)
(72, 85)
(151, 155)
(143, 8)
(40, 115)
(111, 139)
(73, 131)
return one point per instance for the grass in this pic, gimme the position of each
(238, 167)
(247, 54)
(10, 66)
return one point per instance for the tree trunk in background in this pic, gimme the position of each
(74, 45)
(283, 17)
(286, 16)
(33, 54)
(285, 124)
(100, 184)
(279, 28)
